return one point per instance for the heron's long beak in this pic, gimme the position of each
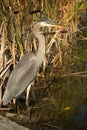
(60, 26)
(55, 25)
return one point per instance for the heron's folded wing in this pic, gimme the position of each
(22, 75)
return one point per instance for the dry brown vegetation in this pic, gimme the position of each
(16, 38)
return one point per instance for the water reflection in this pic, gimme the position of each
(64, 103)
(81, 119)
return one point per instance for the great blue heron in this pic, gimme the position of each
(25, 71)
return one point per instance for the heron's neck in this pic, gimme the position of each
(41, 49)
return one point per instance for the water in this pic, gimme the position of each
(63, 104)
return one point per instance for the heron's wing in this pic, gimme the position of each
(24, 72)
(21, 76)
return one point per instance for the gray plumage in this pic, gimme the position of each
(25, 71)
(21, 76)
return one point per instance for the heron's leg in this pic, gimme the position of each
(17, 105)
(27, 101)
(32, 91)
(33, 94)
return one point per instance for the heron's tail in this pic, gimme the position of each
(6, 98)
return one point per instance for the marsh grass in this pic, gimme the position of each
(16, 19)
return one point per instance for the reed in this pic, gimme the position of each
(16, 19)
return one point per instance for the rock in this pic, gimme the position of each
(6, 124)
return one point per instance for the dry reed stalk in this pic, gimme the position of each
(21, 14)
(2, 48)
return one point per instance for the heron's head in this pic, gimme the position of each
(48, 23)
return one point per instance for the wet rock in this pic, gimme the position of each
(6, 124)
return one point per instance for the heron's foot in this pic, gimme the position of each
(29, 114)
